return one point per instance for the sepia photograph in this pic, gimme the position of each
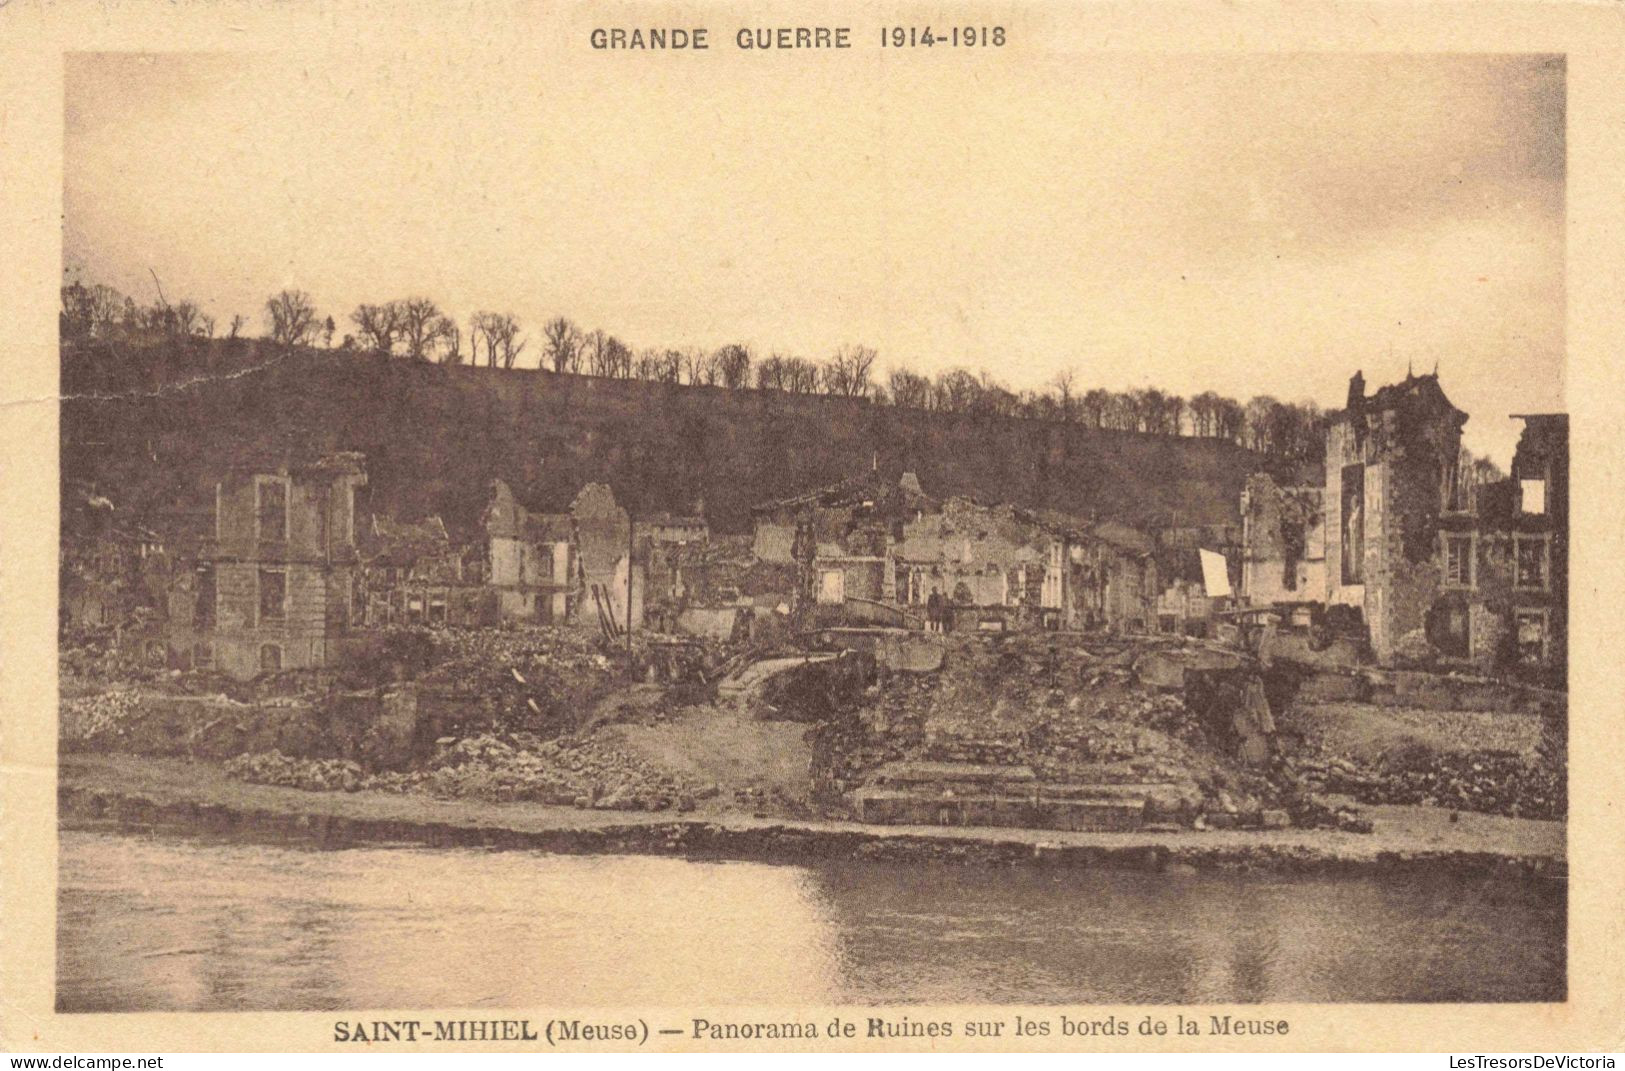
(744, 518)
(791, 642)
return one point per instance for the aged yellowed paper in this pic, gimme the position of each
(840, 528)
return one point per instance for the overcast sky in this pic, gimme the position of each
(1236, 223)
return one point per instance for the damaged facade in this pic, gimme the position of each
(276, 587)
(531, 561)
(416, 575)
(610, 570)
(869, 551)
(111, 570)
(571, 567)
(1437, 563)
(1537, 534)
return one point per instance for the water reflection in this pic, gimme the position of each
(150, 923)
(1076, 936)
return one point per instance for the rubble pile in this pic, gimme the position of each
(1487, 762)
(145, 721)
(1071, 713)
(1308, 810)
(543, 675)
(1490, 783)
(1059, 709)
(99, 718)
(98, 657)
(890, 725)
(567, 771)
(580, 773)
(315, 775)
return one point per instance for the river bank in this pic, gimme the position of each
(137, 792)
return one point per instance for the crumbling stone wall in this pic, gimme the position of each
(300, 636)
(1405, 436)
(602, 537)
(1283, 542)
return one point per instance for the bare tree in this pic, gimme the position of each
(698, 367)
(955, 391)
(499, 331)
(328, 327)
(291, 316)
(184, 318)
(595, 352)
(1175, 408)
(477, 335)
(1204, 410)
(206, 326)
(1230, 419)
(1122, 411)
(451, 340)
(801, 375)
(733, 366)
(847, 373)
(669, 367)
(1062, 384)
(605, 355)
(90, 310)
(420, 324)
(510, 345)
(238, 322)
(994, 398)
(1039, 405)
(1092, 407)
(562, 343)
(618, 360)
(378, 325)
(771, 374)
(909, 389)
(1257, 422)
(646, 365)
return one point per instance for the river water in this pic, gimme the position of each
(172, 923)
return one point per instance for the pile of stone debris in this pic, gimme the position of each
(100, 658)
(1070, 714)
(315, 775)
(99, 717)
(1487, 782)
(566, 771)
(548, 663)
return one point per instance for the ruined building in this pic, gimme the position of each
(1198, 572)
(275, 588)
(1439, 564)
(876, 551)
(110, 568)
(416, 575)
(1538, 533)
(571, 568)
(607, 547)
(531, 560)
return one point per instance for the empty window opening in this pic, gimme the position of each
(271, 509)
(1532, 628)
(273, 595)
(1458, 561)
(203, 608)
(831, 586)
(1529, 563)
